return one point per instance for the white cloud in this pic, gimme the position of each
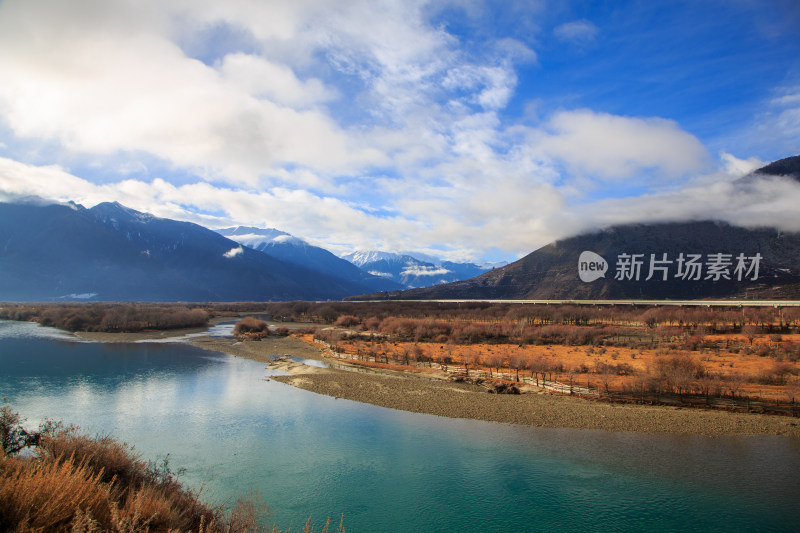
(424, 271)
(100, 92)
(755, 202)
(509, 213)
(616, 147)
(580, 32)
(775, 129)
(354, 124)
(784, 118)
(276, 82)
(233, 252)
(735, 166)
(81, 296)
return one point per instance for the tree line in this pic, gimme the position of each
(712, 319)
(629, 333)
(108, 317)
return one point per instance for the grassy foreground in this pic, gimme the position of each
(56, 479)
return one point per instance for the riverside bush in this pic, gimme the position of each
(81, 484)
(251, 328)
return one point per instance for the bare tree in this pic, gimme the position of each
(444, 360)
(538, 365)
(467, 359)
(735, 383)
(709, 383)
(420, 355)
(495, 360)
(404, 353)
(679, 372)
(571, 371)
(606, 374)
(518, 362)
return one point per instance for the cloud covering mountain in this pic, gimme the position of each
(667, 260)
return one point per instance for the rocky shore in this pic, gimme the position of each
(425, 393)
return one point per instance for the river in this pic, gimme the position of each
(234, 430)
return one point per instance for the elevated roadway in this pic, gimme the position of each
(686, 303)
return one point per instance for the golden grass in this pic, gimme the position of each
(102, 486)
(82, 485)
(45, 495)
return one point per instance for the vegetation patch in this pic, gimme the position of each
(72, 482)
(251, 328)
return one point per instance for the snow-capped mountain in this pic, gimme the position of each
(412, 269)
(257, 238)
(290, 249)
(365, 257)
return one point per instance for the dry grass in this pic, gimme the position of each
(79, 484)
(44, 495)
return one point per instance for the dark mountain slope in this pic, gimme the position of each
(789, 166)
(111, 252)
(552, 272)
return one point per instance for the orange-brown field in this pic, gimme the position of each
(726, 368)
(639, 352)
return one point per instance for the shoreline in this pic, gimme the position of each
(424, 393)
(429, 393)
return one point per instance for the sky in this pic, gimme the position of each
(470, 130)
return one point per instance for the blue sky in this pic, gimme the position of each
(465, 129)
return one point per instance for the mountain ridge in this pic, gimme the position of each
(112, 252)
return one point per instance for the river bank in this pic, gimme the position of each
(425, 393)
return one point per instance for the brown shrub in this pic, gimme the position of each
(251, 328)
(347, 321)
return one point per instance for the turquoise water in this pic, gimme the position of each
(388, 470)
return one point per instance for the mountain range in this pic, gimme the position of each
(671, 260)
(111, 252)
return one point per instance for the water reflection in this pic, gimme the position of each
(221, 330)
